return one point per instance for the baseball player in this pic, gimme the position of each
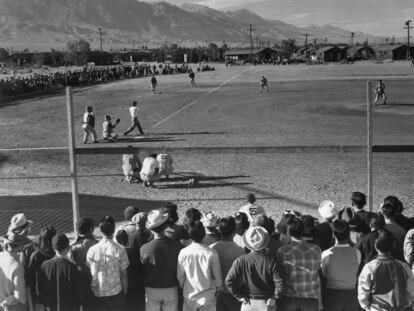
(131, 166)
(380, 93)
(192, 76)
(89, 125)
(165, 165)
(133, 110)
(154, 84)
(149, 171)
(263, 84)
(108, 128)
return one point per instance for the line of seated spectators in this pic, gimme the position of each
(13, 86)
(354, 259)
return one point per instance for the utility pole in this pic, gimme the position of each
(251, 42)
(314, 44)
(100, 37)
(352, 38)
(306, 44)
(407, 23)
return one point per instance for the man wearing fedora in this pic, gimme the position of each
(198, 271)
(255, 278)
(12, 285)
(159, 258)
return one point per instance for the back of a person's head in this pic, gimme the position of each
(45, 238)
(359, 199)
(384, 243)
(107, 225)
(395, 202)
(121, 236)
(377, 221)
(226, 227)
(264, 222)
(388, 211)
(85, 225)
(341, 230)
(242, 223)
(251, 198)
(171, 209)
(60, 242)
(196, 231)
(191, 215)
(295, 228)
(286, 217)
(134, 103)
(309, 223)
(130, 211)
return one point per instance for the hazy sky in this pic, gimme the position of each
(377, 17)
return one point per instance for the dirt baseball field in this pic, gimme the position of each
(306, 106)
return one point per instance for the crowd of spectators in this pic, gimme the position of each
(89, 75)
(351, 260)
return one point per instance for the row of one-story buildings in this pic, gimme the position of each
(326, 54)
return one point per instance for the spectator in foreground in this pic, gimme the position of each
(44, 252)
(323, 231)
(228, 251)
(135, 297)
(198, 271)
(12, 284)
(108, 262)
(242, 224)
(159, 258)
(366, 245)
(209, 221)
(255, 278)
(61, 286)
(301, 262)
(137, 233)
(191, 215)
(409, 249)
(340, 265)
(399, 217)
(77, 254)
(359, 201)
(173, 230)
(385, 283)
(251, 209)
(268, 224)
(389, 212)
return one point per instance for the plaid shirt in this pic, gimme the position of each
(301, 262)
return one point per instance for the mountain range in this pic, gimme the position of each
(45, 24)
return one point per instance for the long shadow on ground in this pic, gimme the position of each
(56, 209)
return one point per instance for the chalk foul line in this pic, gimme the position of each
(201, 97)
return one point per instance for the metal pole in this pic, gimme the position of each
(369, 143)
(72, 157)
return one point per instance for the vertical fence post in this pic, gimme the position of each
(72, 157)
(369, 143)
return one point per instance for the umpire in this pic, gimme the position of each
(133, 110)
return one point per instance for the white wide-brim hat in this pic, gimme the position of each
(256, 238)
(156, 218)
(327, 209)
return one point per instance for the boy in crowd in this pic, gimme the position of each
(386, 283)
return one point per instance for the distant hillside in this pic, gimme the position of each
(49, 23)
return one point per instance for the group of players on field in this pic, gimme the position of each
(108, 127)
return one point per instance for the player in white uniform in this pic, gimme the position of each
(149, 171)
(165, 165)
(380, 93)
(89, 125)
(131, 166)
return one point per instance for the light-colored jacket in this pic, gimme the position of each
(409, 248)
(386, 284)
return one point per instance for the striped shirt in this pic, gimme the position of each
(301, 262)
